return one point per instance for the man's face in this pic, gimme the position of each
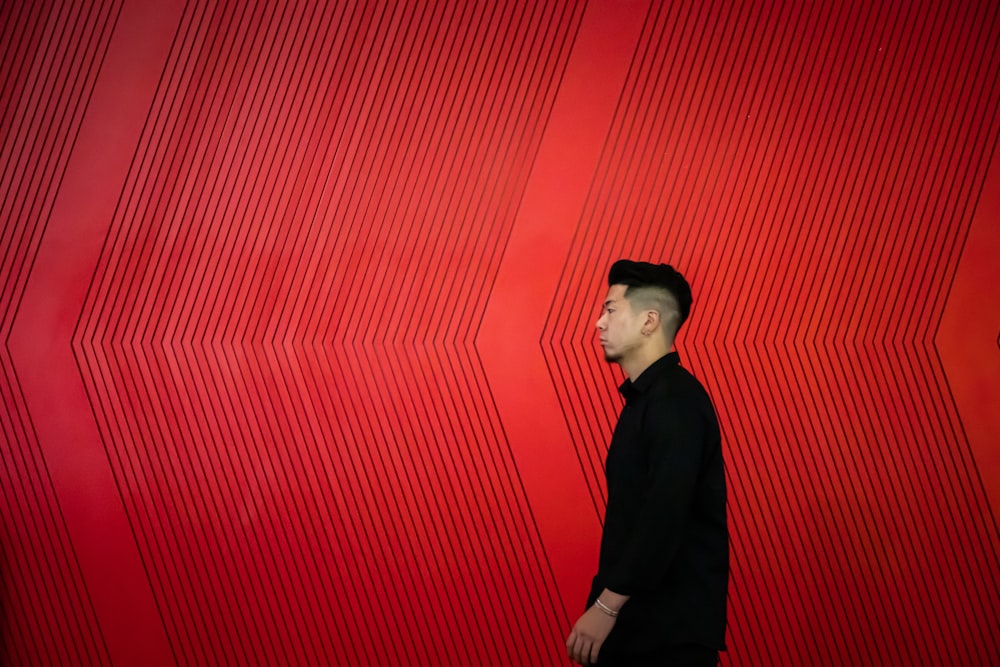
(619, 327)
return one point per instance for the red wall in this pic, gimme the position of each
(297, 304)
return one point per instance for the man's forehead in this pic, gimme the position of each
(615, 293)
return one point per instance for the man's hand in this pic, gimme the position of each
(588, 635)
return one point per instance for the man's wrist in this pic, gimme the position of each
(605, 608)
(610, 602)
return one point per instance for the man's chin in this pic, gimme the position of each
(611, 358)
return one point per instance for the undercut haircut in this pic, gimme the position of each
(658, 287)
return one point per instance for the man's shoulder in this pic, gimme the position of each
(678, 389)
(678, 382)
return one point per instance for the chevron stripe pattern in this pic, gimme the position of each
(298, 363)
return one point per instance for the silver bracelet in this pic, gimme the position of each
(605, 608)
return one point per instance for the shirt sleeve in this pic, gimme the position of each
(675, 433)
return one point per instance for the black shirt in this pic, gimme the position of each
(665, 541)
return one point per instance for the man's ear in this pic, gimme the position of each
(652, 320)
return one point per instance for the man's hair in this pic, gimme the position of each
(658, 287)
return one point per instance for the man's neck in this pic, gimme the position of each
(643, 359)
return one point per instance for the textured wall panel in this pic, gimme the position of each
(277, 336)
(815, 170)
(61, 412)
(50, 55)
(297, 304)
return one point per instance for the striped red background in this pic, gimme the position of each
(297, 303)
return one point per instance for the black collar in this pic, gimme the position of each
(630, 389)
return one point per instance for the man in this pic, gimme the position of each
(659, 597)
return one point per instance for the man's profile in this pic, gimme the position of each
(659, 596)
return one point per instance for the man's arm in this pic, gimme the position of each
(675, 431)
